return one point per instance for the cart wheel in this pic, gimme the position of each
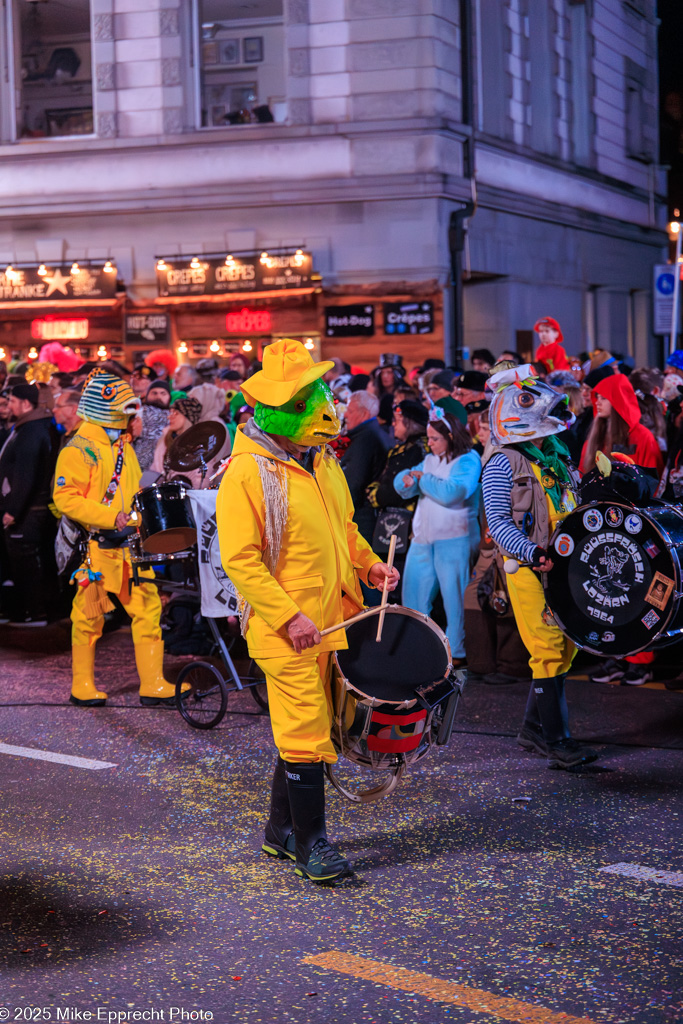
(205, 704)
(258, 688)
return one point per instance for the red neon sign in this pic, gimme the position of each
(249, 321)
(54, 329)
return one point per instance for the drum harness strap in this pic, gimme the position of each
(85, 569)
(273, 476)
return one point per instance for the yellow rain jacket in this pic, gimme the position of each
(83, 473)
(322, 551)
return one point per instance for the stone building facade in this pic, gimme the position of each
(359, 153)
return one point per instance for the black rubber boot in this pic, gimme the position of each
(561, 750)
(279, 837)
(530, 736)
(315, 858)
(551, 705)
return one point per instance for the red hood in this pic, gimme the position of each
(618, 390)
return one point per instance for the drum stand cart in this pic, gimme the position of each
(205, 705)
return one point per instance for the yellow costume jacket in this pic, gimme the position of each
(83, 473)
(322, 551)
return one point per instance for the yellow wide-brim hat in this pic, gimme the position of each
(287, 368)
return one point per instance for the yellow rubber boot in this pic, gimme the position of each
(154, 689)
(84, 693)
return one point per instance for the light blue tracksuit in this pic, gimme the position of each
(445, 533)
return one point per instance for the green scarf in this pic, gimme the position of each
(552, 458)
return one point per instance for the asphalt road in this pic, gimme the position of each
(137, 891)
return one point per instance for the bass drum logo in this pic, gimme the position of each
(614, 517)
(592, 519)
(564, 545)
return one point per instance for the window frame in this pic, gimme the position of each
(14, 93)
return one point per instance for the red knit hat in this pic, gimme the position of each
(547, 321)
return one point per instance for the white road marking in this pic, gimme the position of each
(644, 874)
(49, 755)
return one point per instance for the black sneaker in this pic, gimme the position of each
(501, 679)
(608, 671)
(274, 849)
(530, 738)
(325, 864)
(636, 675)
(568, 753)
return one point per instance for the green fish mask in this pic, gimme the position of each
(309, 418)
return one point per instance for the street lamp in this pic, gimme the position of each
(676, 234)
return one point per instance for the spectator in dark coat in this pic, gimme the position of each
(365, 457)
(394, 513)
(27, 464)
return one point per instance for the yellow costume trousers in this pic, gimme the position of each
(141, 603)
(300, 705)
(551, 653)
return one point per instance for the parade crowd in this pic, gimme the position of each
(411, 450)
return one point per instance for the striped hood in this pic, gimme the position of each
(107, 400)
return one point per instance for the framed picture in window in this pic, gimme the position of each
(230, 51)
(252, 48)
(209, 53)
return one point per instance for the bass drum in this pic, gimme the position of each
(615, 585)
(394, 698)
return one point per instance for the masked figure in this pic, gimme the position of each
(96, 477)
(290, 546)
(529, 486)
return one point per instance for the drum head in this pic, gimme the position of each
(613, 586)
(412, 652)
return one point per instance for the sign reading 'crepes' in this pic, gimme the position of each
(408, 317)
(208, 276)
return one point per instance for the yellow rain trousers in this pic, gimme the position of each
(551, 653)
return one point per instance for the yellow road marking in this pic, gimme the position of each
(441, 991)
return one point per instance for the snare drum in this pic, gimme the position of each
(615, 585)
(166, 521)
(391, 697)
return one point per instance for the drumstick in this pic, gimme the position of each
(349, 622)
(385, 592)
